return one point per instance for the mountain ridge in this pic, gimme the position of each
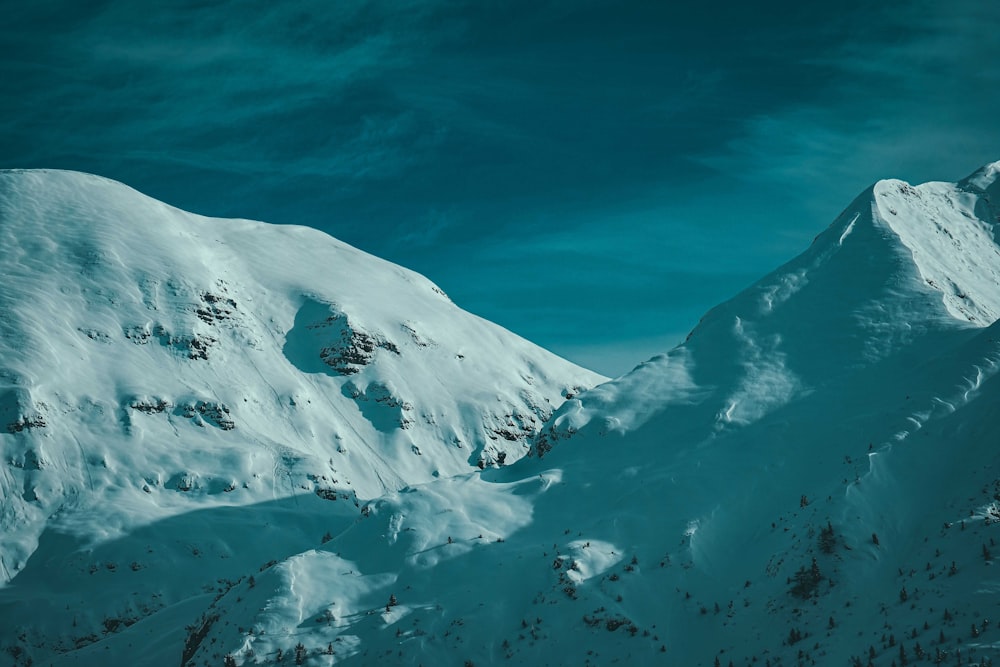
(906, 271)
(127, 317)
(810, 478)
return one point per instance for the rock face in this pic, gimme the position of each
(345, 347)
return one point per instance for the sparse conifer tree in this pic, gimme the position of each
(827, 539)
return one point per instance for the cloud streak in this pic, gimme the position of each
(912, 96)
(589, 174)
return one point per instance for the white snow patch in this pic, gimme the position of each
(848, 229)
(591, 558)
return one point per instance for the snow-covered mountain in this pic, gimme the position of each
(812, 478)
(157, 366)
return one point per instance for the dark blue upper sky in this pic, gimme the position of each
(591, 175)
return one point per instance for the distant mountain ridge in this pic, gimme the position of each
(811, 478)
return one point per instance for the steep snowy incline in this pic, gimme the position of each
(837, 528)
(155, 363)
(812, 478)
(853, 389)
(901, 264)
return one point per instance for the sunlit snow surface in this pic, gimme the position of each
(185, 395)
(232, 439)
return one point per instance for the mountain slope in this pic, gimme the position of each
(156, 364)
(812, 478)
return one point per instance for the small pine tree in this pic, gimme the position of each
(827, 539)
(300, 653)
(806, 582)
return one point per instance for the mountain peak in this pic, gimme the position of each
(900, 264)
(986, 178)
(154, 358)
(949, 231)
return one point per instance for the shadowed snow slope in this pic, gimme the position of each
(811, 478)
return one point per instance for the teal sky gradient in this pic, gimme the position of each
(591, 175)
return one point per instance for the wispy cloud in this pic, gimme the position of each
(237, 86)
(580, 171)
(912, 94)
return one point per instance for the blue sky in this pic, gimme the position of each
(591, 175)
